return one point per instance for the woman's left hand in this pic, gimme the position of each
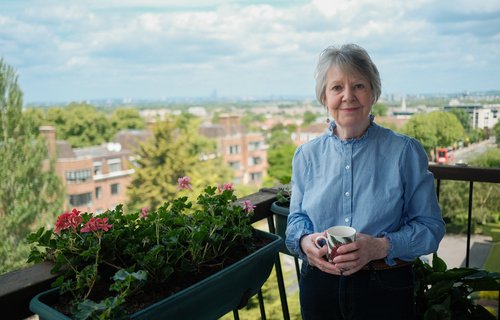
(354, 256)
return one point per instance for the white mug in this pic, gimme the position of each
(336, 237)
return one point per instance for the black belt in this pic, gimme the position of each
(381, 265)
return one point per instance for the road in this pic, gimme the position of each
(464, 155)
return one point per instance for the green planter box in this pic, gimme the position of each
(210, 298)
(281, 218)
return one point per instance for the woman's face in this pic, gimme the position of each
(348, 97)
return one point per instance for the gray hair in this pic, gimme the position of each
(349, 58)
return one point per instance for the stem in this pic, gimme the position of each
(158, 229)
(96, 263)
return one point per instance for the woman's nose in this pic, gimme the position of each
(348, 94)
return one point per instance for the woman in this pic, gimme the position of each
(362, 175)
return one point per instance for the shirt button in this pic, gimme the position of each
(346, 219)
(347, 194)
(347, 167)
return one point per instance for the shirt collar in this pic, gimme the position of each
(333, 125)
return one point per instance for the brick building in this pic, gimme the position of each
(245, 152)
(95, 178)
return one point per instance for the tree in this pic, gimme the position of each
(379, 109)
(435, 129)
(82, 125)
(463, 117)
(419, 128)
(280, 154)
(308, 118)
(126, 118)
(496, 132)
(30, 191)
(175, 150)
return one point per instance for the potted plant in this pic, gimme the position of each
(182, 260)
(446, 294)
(281, 209)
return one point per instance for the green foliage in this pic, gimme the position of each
(419, 127)
(283, 195)
(379, 109)
(250, 120)
(496, 132)
(29, 188)
(486, 197)
(280, 155)
(462, 116)
(308, 118)
(435, 129)
(141, 247)
(126, 118)
(489, 159)
(176, 150)
(81, 125)
(445, 294)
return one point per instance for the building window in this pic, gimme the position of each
(97, 167)
(235, 165)
(254, 145)
(114, 165)
(252, 161)
(115, 188)
(98, 192)
(78, 176)
(234, 149)
(79, 200)
(255, 176)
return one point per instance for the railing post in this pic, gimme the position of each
(469, 224)
(279, 274)
(261, 306)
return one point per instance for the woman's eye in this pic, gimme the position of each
(336, 88)
(359, 86)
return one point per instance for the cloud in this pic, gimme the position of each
(260, 48)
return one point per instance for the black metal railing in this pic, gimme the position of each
(18, 287)
(466, 174)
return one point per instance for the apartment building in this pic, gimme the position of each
(95, 178)
(245, 152)
(480, 116)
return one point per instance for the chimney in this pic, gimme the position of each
(49, 134)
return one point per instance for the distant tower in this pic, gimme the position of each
(403, 103)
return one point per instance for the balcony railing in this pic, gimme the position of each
(18, 287)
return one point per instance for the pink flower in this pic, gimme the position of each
(144, 213)
(68, 220)
(247, 206)
(95, 224)
(183, 183)
(226, 186)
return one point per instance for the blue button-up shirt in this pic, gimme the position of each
(378, 184)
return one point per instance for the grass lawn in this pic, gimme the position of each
(493, 261)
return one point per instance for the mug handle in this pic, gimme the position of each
(317, 239)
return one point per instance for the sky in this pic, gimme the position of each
(66, 50)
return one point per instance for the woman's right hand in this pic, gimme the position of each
(315, 256)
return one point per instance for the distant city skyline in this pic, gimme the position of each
(167, 50)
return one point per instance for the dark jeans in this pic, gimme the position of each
(365, 295)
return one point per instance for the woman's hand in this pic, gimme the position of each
(354, 256)
(315, 256)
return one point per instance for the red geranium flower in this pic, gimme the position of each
(95, 224)
(68, 220)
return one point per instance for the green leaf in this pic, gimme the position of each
(439, 290)
(87, 308)
(438, 264)
(452, 274)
